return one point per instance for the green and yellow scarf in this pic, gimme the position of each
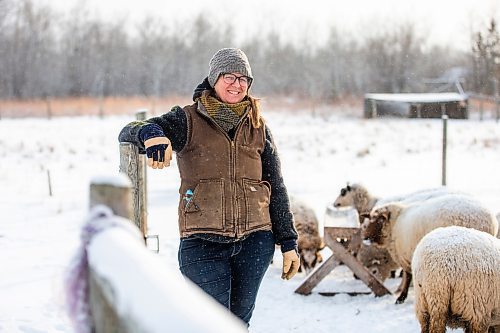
(225, 115)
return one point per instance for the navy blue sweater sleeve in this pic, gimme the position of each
(279, 208)
(173, 124)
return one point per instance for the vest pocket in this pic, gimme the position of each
(205, 210)
(257, 198)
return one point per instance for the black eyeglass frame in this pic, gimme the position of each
(249, 79)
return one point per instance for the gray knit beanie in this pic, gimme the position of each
(228, 60)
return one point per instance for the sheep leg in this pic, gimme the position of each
(405, 286)
(477, 327)
(423, 319)
(438, 323)
(421, 311)
(438, 306)
(400, 287)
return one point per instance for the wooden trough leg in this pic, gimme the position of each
(357, 267)
(317, 275)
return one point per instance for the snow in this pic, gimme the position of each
(115, 180)
(39, 234)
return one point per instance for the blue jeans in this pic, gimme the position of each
(229, 272)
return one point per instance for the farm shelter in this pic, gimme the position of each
(421, 105)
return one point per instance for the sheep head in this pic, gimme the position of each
(309, 251)
(376, 227)
(345, 198)
(378, 261)
(309, 258)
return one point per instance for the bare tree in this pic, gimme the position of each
(44, 55)
(486, 60)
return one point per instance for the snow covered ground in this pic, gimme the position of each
(40, 233)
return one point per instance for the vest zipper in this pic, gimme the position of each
(237, 199)
(232, 175)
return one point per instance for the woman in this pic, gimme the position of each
(233, 204)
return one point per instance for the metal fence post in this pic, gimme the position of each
(445, 134)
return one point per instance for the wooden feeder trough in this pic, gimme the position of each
(342, 234)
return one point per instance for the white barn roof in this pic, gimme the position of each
(418, 98)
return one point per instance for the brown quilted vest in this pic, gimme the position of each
(228, 196)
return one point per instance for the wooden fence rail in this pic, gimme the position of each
(118, 197)
(132, 291)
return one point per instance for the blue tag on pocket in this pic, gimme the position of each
(188, 195)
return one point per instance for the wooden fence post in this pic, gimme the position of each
(497, 109)
(50, 182)
(481, 110)
(374, 108)
(49, 108)
(133, 165)
(130, 165)
(115, 193)
(142, 115)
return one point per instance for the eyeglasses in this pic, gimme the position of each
(244, 81)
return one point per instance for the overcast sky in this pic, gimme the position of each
(443, 21)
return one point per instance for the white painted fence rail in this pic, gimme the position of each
(128, 289)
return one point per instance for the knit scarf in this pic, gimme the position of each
(225, 115)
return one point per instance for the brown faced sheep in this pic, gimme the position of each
(398, 228)
(377, 260)
(457, 280)
(309, 242)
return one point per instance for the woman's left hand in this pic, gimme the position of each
(291, 264)
(159, 152)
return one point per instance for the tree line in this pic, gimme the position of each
(42, 55)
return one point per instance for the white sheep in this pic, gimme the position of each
(398, 228)
(309, 242)
(358, 197)
(457, 280)
(378, 260)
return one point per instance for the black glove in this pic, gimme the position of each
(158, 147)
(157, 152)
(200, 88)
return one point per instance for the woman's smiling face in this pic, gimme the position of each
(231, 93)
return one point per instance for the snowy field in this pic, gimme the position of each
(39, 233)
